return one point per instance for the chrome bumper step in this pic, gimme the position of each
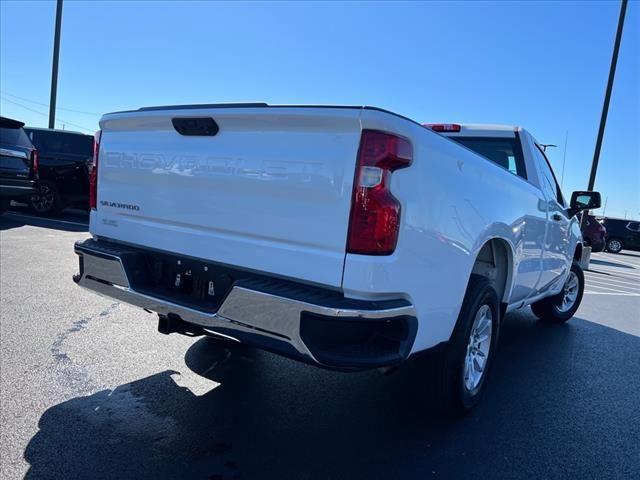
(251, 309)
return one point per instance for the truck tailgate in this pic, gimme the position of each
(270, 191)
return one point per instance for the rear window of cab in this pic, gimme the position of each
(503, 151)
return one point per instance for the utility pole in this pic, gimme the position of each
(607, 96)
(54, 67)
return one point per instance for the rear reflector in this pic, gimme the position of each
(93, 176)
(443, 127)
(375, 212)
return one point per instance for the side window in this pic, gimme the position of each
(634, 226)
(549, 184)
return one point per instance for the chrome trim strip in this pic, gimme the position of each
(9, 152)
(244, 310)
(14, 187)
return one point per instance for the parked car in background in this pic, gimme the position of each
(18, 163)
(593, 233)
(346, 237)
(64, 158)
(622, 234)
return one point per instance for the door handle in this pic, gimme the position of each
(557, 217)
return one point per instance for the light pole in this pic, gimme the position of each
(607, 97)
(54, 67)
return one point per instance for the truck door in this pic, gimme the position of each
(555, 261)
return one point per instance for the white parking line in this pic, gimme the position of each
(610, 293)
(42, 219)
(629, 283)
(600, 287)
(615, 288)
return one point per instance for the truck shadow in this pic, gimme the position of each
(560, 400)
(596, 261)
(68, 221)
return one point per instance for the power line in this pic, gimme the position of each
(47, 105)
(60, 120)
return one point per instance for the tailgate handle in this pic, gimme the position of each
(195, 126)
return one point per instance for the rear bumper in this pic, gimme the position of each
(16, 189)
(310, 324)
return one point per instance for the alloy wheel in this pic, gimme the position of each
(43, 200)
(614, 245)
(478, 348)
(569, 292)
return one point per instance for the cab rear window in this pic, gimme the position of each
(51, 142)
(505, 152)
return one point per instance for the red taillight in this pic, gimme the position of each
(443, 127)
(34, 161)
(93, 176)
(375, 212)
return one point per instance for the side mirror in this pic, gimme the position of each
(584, 201)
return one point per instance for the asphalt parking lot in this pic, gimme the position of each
(89, 389)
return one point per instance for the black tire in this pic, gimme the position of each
(46, 201)
(551, 309)
(614, 245)
(4, 205)
(447, 384)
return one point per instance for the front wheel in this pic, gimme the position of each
(563, 306)
(614, 245)
(459, 372)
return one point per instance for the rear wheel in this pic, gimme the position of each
(46, 200)
(561, 307)
(614, 245)
(459, 372)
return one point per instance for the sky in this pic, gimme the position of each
(540, 65)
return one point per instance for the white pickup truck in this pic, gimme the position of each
(346, 237)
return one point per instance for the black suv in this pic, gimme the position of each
(64, 161)
(622, 234)
(18, 163)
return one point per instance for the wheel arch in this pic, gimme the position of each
(495, 260)
(577, 252)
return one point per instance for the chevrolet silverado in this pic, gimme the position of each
(346, 237)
